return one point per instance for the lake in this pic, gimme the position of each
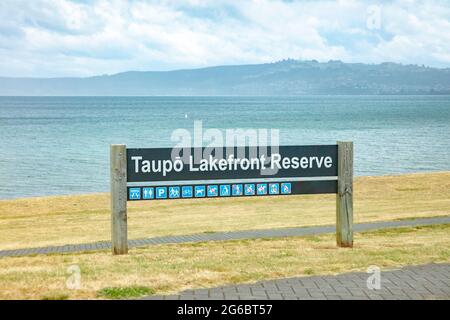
(60, 145)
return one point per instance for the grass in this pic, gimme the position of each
(309, 271)
(59, 220)
(172, 268)
(56, 296)
(125, 292)
(176, 267)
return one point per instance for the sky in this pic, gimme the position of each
(58, 38)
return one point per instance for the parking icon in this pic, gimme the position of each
(261, 189)
(148, 193)
(135, 193)
(286, 188)
(249, 189)
(161, 193)
(186, 192)
(274, 188)
(237, 190)
(174, 192)
(200, 191)
(225, 190)
(213, 191)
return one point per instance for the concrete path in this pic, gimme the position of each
(237, 235)
(430, 281)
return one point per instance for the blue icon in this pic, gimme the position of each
(236, 190)
(213, 191)
(274, 188)
(186, 192)
(148, 193)
(225, 190)
(161, 193)
(135, 193)
(174, 192)
(200, 191)
(261, 189)
(249, 189)
(286, 188)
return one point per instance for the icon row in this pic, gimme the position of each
(201, 191)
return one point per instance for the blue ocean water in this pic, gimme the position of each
(60, 145)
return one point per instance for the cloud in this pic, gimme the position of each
(83, 38)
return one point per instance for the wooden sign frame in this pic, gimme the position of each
(342, 186)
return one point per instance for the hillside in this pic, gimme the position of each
(288, 77)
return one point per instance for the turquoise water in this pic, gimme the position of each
(60, 145)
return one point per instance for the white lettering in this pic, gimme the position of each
(319, 162)
(275, 161)
(328, 162)
(146, 166)
(191, 164)
(136, 163)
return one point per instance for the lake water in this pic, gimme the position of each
(60, 145)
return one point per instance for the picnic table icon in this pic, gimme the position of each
(135, 193)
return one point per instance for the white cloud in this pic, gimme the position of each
(81, 38)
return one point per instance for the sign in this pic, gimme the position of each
(164, 173)
(230, 172)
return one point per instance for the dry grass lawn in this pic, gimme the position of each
(171, 268)
(62, 220)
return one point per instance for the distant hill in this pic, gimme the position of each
(287, 77)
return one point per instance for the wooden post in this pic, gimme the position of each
(118, 163)
(344, 198)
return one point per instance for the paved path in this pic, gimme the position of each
(237, 235)
(430, 281)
